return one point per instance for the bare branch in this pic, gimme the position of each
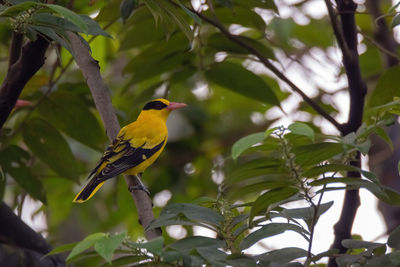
(357, 91)
(337, 30)
(15, 48)
(100, 92)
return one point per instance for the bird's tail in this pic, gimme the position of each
(88, 191)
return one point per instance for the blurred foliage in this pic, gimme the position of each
(149, 48)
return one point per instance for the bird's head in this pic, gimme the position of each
(161, 107)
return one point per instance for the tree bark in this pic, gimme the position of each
(346, 34)
(100, 92)
(23, 65)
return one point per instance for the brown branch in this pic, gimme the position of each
(15, 48)
(337, 30)
(31, 59)
(100, 92)
(23, 240)
(271, 67)
(357, 90)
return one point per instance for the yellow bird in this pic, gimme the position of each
(136, 147)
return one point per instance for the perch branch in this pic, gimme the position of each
(22, 241)
(100, 92)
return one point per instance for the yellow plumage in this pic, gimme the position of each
(136, 147)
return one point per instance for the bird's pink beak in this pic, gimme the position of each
(175, 105)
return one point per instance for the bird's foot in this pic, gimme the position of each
(139, 187)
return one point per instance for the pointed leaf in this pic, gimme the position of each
(15, 162)
(238, 79)
(394, 238)
(187, 244)
(244, 143)
(193, 212)
(86, 243)
(106, 246)
(269, 230)
(49, 145)
(282, 256)
(70, 15)
(300, 128)
(273, 196)
(70, 114)
(127, 7)
(61, 249)
(154, 246)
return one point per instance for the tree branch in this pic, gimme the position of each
(22, 239)
(271, 67)
(357, 91)
(31, 59)
(100, 92)
(15, 48)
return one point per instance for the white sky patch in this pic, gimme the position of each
(201, 231)
(38, 221)
(176, 231)
(161, 198)
(201, 91)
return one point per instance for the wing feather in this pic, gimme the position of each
(121, 156)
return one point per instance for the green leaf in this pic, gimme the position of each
(241, 81)
(127, 7)
(222, 43)
(187, 244)
(14, 10)
(395, 20)
(190, 13)
(68, 14)
(154, 246)
(355, 244)
(269, 230)
(70, 114)
(307, 213)
(386, 88)
(273, 196)
(300, 128)
(244, 143)
(315, 153)
(240, 15)
(51, 34)
(15, 162)
(93, 27)
(281, 256)
(127, 260)
(62, 248)
(319, 170)
(48, 144)
(86, 243)
(385, 137)
(106, 246)
(192, 212)
(394, 238)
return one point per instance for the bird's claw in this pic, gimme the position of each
(139, 187)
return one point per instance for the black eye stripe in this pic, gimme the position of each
(154, 105)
